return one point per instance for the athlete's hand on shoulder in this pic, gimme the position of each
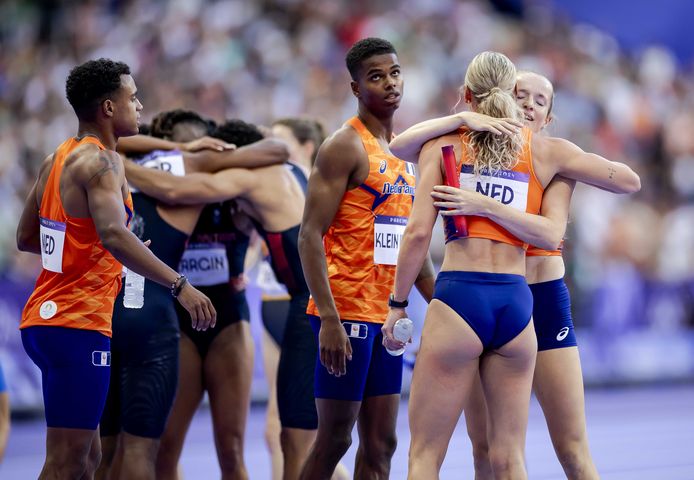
(394, 314)
(202, 312)
(454, 201)
(484, 123)
(334, 346)
(207, 143)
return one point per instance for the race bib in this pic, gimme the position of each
(388, 232)
(505, 186)
(171, 162)
(205, 264)
(52, 243)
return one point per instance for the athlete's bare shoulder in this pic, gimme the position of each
(89, 163)
(433, 146)
(344, 141)
(544, 146)
(44, 172)
(343, 155)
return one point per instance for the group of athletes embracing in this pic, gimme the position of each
(498, 322)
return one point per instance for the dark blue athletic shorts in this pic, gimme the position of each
(497, 306)
(75, 369)
(3, 384)
(552, 315)
(371, 372)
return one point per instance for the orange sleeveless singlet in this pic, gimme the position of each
(80, 279)
(363, 241)
(517, 187)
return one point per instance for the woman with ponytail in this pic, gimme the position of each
(479, 323)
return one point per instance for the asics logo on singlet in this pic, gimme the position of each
(404, 189)
(383, 166)
(562, 334)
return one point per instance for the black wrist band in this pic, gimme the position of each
(177, 285)
(395, 304)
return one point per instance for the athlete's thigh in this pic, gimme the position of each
(150, 378)
(271, 357)
(446, 366)
(228, 369)
(296, 370)
(4, 421)
(188, 397)
(558, 385)
(507, 381)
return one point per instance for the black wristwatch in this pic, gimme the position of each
(178, 285)
(395, 304)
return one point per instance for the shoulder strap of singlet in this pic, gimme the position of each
(370, 142)
(528, 154)
(359, 126)
(51, 191)
(525, 155)
(300, 176)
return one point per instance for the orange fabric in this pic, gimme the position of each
(83, 295)
(538, 252)
(359, 285)
(482, 227)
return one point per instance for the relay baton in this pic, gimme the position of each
(452, 180)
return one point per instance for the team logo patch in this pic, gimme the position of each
(101, 358)
(356, 330)
(382, 168)
(48, 309)
(562, 334)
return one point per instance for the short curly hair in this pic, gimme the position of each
(238, 132)
(164, 122)
(363, 49)
(91, 83)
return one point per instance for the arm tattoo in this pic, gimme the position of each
(108, 164)
(612, 172)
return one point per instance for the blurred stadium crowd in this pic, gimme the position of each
(630, 260)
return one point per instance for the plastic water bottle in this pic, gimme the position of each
(402, 331)
(134, 294)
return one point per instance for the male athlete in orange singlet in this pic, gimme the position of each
(358, 202)
(76, 217)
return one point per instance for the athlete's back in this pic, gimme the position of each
(274, 197)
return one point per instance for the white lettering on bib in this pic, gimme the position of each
(505, 186)
(170, 162)
(388, 232)
(205, 264)
(52, 243)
